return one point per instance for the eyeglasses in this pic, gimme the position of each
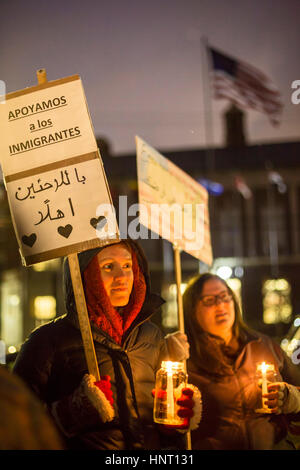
(210, 300)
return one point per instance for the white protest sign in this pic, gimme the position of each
(54, 176)
(56, 211)
(43, 124)
(172, 203)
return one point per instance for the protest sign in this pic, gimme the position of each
(45, 124)
(53, 172)
(55, 182)
(172, 203)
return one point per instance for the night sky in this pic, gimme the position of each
(141, 65)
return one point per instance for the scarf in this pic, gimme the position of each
(100, 310)
(213, 355)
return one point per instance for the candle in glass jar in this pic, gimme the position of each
(170, 392)
(170, 379)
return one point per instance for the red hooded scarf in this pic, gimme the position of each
(101, 312)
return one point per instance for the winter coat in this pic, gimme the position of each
(230, 394)
(52, 362)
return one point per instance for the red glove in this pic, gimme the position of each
(185, 409)
(190, 409)
(186, 405)
(105, 386)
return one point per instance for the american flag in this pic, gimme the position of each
(244, 85)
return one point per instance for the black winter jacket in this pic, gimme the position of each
(52, 363)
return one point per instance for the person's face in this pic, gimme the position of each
(215, 315)
(115, 264)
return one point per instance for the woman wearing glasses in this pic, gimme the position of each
(224, 353)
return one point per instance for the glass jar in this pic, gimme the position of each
(170, 379)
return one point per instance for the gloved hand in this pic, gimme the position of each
(88, 405)
(178, 346)
(283, 398)
(100, 395)
(189, 408)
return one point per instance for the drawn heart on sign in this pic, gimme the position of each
(99, 223)
(29, 240)
(65, 231)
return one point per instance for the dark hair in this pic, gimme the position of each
(190, 300)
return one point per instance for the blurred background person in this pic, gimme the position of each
(24, 423)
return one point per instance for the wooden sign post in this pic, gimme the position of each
(83, 318)
(177, 264)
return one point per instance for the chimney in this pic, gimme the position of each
(234, 127)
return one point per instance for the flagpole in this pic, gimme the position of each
(272, 228)
(207, 106)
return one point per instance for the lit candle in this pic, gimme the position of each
(264, 385)
(170, 392)
(263, 370)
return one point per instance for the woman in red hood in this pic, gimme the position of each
(115, 413)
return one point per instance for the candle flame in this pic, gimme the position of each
(171, 366)
(264, 367)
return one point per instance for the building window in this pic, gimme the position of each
(273, 223)
(276, 301)
(44, 308)
(11, 309)
(236, 285)
(170, 308)
(227, 222)
(51, 265)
